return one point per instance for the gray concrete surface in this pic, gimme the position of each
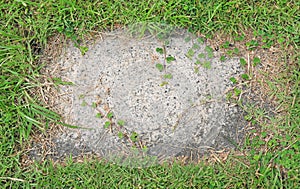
(180, 116)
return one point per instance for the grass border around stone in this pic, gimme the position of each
(265, 29)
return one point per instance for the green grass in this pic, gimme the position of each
(25, 28)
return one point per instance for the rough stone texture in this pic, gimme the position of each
(181, 116)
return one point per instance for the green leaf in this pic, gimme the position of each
(229, 53)
(190, 53)
(83, 49)
(236, 51)
(256, 157)
(243, 62)
(281, 40)
(84, 103)
(187, 39)
(159, 66)
(233, 80)
(228, 96)
(166, 42)
(256, 61)
(168, 76)
(98, 115)
(245, 76)
(170, 59)
(201, 55)
(81, 96)
(200, 40)
(120, 135)
(208, 49)
(145, 149)
(223, 58)
(107, 124)
(196, 46)
(225, 45)
(237, 91)
(121, 122)
(196, 69)
(206, 65)
(240, 38)
(160, 50)
(264, 134)
(134, 137)
(197, 62)
(210, 55)
(252, 44)
(164, 83)
(94, 105)
(110, 115)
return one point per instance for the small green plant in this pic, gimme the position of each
(190, 53)
(206, 65)
(196, 69)
(251, 45)
(201, 55)
(195, 46)
(222, 58)
(197, 62)
(267, 43)
(256, 61)
(187, 39)
(160, 50)
(281, 40)
(210, 55)
(83, 49)
(107, 124)
(237, 91)
(168, 76)
(161, 36)
(239, 38)
(94, 105)
(134, 137)
(98, 115)
(229, 95)
(200, 40)
(121, 123)
(169, 59)
(245, 76)
(145, 149)
(164, 83)
(208, 49)
(166, 42)
(243, 62)
(233, 80)
(160, 67)
(209, 97)
(209, 35)
(249, 117)
(110, 115)
(81, 96)
(229, 53)
(236, 51)
(120, 135)
(225, 45)
(84, 103)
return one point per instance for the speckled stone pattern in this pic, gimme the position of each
(175, 116)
